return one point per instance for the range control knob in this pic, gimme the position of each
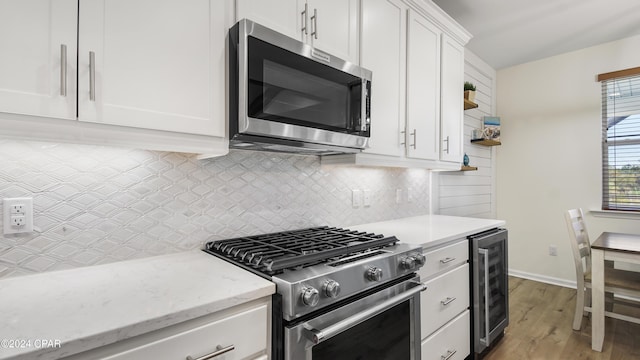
(420, 259)
(331, 288)
(310, 296)
(374, 274)
(408, 263)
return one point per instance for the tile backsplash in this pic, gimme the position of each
(95, 204)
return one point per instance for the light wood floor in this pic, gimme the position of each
(540, 320)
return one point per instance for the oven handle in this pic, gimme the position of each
(318, 336)
(485, 254)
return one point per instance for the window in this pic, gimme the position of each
(621, 140)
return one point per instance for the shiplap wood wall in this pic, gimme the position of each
(472, 193)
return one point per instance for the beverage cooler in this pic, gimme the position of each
(490, 288)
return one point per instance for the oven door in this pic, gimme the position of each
(382, 325)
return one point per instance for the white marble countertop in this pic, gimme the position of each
(85, 308)
(429, 230)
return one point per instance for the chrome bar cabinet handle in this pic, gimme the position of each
(448, 355)
(219, 351)
(447, 301)
(314, 24)
(63, 70)
(304, 19)
(92, 76)
(404, 137)
(447, 260)
(414, 138)
(447, 141)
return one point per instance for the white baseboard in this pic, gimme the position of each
(543, 279)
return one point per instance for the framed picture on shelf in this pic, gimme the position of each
(491, 128)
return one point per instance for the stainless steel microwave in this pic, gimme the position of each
(287, 96)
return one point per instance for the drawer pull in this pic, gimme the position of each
(219, 351)
(447, 301)
(448, 355)
(447, 260)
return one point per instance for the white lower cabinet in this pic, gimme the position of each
(447, 342)
(444, 306)
(244, 328)
(447, 296)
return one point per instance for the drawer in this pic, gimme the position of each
(444, 258)
(453, 339)
(246, 331)
(446, 296)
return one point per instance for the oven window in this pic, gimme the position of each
(288, 88)
(385, 336)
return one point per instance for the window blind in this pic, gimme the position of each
(621, 140)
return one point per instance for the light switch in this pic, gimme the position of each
(366, 197)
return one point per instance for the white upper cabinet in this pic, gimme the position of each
(451, 114)
(423, 88)
(38, 57)
(152, 64)
(283, 16)
(137, 73)
(416, 53)
(329, 25)
(384, 53)
(334, 27)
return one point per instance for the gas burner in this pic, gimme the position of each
(273, 254)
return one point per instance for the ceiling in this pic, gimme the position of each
(511, 32)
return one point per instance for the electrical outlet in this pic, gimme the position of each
(17, 220)
(356, 198)
(17, 209)
(553, 250)
(17, 215)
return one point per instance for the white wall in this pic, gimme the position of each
(472, 193)
(550, 158)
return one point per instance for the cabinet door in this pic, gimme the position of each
(283, 16)
(246, 331)
(452, 120)
(334, 27)
(158, 64)
(423, 88)
(33, 74)
(384, 53)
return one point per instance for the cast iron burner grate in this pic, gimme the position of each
(271, 254)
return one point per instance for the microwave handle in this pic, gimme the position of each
(485, 255)
(365, 106)
(318, 336)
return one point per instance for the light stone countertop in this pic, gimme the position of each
(429, 230)
(89, 307)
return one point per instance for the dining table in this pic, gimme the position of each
(613, 246)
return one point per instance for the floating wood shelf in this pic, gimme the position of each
(469, 104)
(485, 142)
(468, 168)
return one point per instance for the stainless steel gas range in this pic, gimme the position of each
(340, 294)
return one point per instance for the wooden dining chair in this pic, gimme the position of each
(619, 282)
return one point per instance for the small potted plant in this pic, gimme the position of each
(469, 91)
